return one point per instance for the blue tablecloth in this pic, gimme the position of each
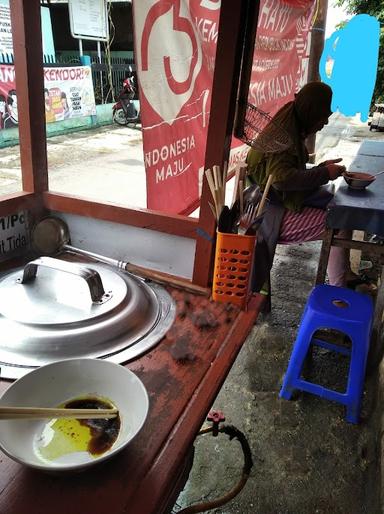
(361, 210)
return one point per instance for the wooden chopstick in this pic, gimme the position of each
(213, 210)
(235, 187)
(211, 184)
(42, 412)
(219, 181)
(240, 174)
(264, 197)
(241, 198)
(216, 176)
(222, 183)
(218, 195)
(208, 174)
(219, 205)
(225, 175)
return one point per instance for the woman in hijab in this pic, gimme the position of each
(296, 211)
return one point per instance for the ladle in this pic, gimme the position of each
(51, 235)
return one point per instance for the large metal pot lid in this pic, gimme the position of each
(53, 292)
(53, 309)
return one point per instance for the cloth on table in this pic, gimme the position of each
(282, 226)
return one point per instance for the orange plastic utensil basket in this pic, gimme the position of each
(233, 267)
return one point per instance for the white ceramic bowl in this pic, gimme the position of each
(53, 384)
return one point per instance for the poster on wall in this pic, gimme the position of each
(68, 93)
(6, 45)
(175, 77)
(13, 234)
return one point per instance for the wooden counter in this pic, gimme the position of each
(183, 375)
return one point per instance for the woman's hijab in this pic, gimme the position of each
(311, 105)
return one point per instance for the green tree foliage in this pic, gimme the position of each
(374, 8)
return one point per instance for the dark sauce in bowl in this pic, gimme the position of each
(104, 432)
(59, 438)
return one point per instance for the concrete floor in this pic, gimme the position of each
(307, 459)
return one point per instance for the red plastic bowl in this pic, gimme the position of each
(358, 180)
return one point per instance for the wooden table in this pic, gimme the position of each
(183, 375)
(359, 210)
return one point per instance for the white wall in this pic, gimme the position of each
(148, 248)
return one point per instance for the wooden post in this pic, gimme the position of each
(250, 30)
(28, 57)
(324, 256)
(317, 45)
(222, 112)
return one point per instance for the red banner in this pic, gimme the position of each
(175, 53)
(280, 64)
(281, 57)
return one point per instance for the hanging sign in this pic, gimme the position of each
(13, 235)
(6, 45)
(88, 19)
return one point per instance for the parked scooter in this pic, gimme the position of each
(126, 111)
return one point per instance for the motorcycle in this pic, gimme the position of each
(126, 111)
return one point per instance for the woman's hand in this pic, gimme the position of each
(330, 161)
(335, 170)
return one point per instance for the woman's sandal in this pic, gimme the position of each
(367, 288)
(356, 280)
(351, 284)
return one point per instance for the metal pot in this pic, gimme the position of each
(53, 310)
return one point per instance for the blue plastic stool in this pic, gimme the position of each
(340, 309)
